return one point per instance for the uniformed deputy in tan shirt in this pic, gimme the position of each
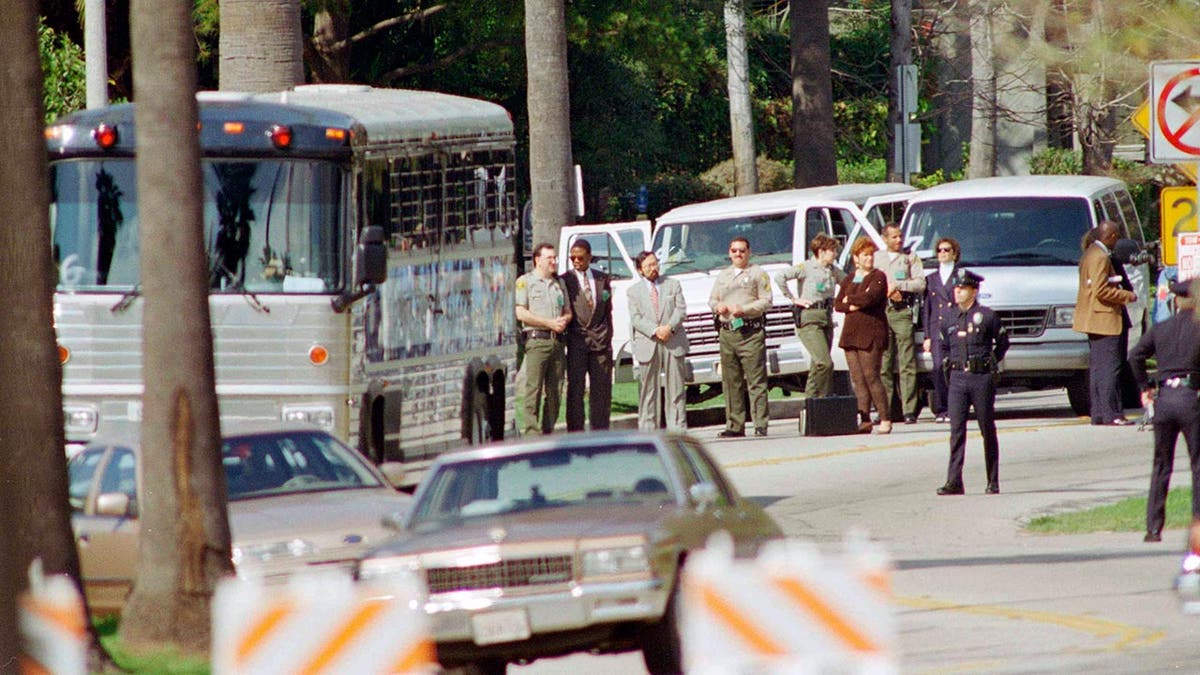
(541, 306)
(906, 282)
(740, 298)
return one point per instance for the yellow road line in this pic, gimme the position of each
(1124, 636)
(858, 449)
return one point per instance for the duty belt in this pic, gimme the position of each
(827, 303)
(541, 335)
(747, 325)
(907, 299)
(973, 364)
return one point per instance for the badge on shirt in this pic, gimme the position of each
(900, 275)
(736, 323)
(977, 318)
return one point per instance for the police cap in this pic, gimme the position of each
(967, 278)
(1181, 288)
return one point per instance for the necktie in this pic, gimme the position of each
(587, 291)
(654, 298)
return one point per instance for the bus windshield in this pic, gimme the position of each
(704, 246)
(1003, 231)
(270, 226)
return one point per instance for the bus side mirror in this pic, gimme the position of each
(370, 267)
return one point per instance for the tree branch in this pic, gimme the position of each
(446, 60)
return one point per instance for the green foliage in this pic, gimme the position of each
(64, 73)
(1127, 515)
(1056, 161)
(772, 176)
(108, 630)
(669, 190)
(862, 171)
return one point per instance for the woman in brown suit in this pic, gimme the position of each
(862, 297)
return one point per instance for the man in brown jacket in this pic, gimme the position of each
(1100, 312)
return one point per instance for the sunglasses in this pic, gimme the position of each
(578, 257)
(738, 250)
(945, 249)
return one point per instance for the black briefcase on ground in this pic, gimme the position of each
(829, 416)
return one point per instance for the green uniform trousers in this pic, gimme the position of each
(816, 334)
(744, 369)
(900, 357)
(545, 364)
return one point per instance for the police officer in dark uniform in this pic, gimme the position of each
(975, 343)
(1176, 344)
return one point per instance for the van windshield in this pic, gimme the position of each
(704, 246)
(1003, 231)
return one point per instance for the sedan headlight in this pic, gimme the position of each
(259, 553)
(1062, 317)
(387, 566)
(615, 561)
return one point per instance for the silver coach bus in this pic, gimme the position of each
(305, 192)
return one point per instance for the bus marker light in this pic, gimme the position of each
(234, 127)
(335, 134)
(318, 355)
(281, 136)
(105, 136)
(64, 354)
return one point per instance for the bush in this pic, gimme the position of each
(865, 171)
(772, 176)
(669, 190)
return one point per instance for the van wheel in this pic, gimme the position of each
(1077, 395)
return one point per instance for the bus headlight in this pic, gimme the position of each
(317, 415)
(80, 420)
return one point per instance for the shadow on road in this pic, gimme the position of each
(1068, 558)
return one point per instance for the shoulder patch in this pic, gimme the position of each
(521, 282)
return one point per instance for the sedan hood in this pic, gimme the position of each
(563, 523)
(337, 517)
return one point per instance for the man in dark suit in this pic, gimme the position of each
(1100, 312)
(589, 340)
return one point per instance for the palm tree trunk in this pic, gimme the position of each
(551, 174)
(812, 94)
(261, 45)
(741, 119)
(184, 546)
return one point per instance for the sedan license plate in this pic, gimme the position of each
(505, 626)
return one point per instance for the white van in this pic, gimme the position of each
(1024, 235)
(693, 241)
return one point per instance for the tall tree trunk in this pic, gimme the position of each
(331, 44)
(812, 94)
(551, 172)
(981, 162)
(1097, 135)
(34, 512)
(184, 544)
(901, 34)
(741, 119)
(261, 45)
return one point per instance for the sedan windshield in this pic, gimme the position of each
(546, 479)
(1003, 231)
(704, 246)
(281, 464)
(270, 226)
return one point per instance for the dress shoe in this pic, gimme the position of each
(951, 489)
(993, 489)
(1121, 422)
(942, 419)
(730, 433)
(884, 428)
(910, 419)
(864, 428)
(1152, 537)
(760, 431)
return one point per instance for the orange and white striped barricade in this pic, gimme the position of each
(321, 623)
(791, 610)
(53, 626)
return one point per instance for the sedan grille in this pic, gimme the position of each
(1023, 322)
(542, 570)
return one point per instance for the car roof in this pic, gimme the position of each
(555, 442)
(1020, 186)
(127, 433)
(783, 200)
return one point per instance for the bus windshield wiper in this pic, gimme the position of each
(127, 299)
(251, 299)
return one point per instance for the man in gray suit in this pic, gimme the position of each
(660, 344)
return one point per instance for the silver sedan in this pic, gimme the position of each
(564, 544)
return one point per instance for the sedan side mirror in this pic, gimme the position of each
(393, 521)
(704, 494)
(113, 504)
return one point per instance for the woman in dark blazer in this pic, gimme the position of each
(862, 297)
(939, 304)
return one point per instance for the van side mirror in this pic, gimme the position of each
(370, 267)
(113, 504)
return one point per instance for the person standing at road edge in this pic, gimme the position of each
(589, 340)
(939, 303)
(818, 281)
(1175, 343)
(1100, 313)
(976, 343)
(740, 298)
(906, 284)
(657, 310)
(542, 309)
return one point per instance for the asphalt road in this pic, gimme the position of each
(974, 592)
